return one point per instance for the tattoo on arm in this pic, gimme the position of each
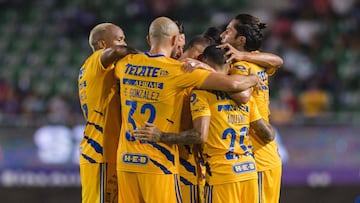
(186, 137)
(264, 131)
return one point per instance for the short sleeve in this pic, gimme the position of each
(199, 105)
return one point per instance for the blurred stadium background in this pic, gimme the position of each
(315, 96)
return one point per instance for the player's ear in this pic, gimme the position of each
(174, 40)
(148, 39)
(101, 44)
(241, 39)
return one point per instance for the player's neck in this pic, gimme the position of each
(160, 50)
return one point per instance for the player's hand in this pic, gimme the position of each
(232, 54)
(191, 64)
(148, 133)
(258, 83)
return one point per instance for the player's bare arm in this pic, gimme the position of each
(191, 64)
(151, 133)
(241, 97)
(115, 53)
(244, 96)
(230, 83)
(266, 60)
(263, 130)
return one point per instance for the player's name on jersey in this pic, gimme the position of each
(236, 119)
(142, 94)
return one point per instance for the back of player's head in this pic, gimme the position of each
(251, 28)
(162, 28)
(214, 34)
(200, 40)
(214, 56)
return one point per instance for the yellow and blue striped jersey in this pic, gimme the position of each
(266, 155)
(227, 151)
(99, 100)
(152, 90)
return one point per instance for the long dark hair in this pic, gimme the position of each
(251, 28)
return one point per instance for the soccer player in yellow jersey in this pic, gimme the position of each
(99, 100)
(230, 167)
(244, 34)
(151, 90)
(191, 168)
(231, 172)
(191, 183)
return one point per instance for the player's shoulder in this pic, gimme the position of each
(244, 66)
(94, 55)
(201, 93)
(241, 66)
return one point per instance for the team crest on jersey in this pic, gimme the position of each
(193, 99)
(241, 68)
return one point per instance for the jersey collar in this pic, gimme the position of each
(155, 55)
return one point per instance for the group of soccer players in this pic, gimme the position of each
(159, 122)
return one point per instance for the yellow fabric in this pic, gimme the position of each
(192, 193)
(266, 155)
(99, 183)
(244, 191)
(227, 150)
(148, 188)
(152, 90)
(314, 102)
(99, 99)
(270, 184)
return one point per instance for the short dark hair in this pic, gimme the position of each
(180, 26)
(214, 34)
(214, 54)
(200, 40)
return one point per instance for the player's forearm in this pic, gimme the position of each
(240, 97)
(243, 82)
(263, 130)
(115, 53)
(186, 137)
(266, 60)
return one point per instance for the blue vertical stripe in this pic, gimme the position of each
(191, 194)
(177, 189)
(101, 183)
(209, 190)
(195, 194)
(260, 180)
